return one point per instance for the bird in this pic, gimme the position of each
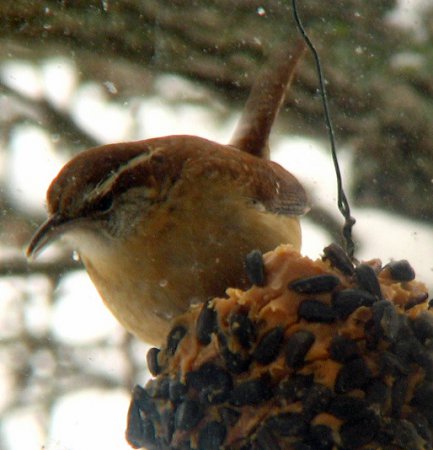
(165, 223)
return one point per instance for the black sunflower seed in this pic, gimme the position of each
(288, 424)
(176, 390)
(295, 387)
(251, 392)
(423, 395)
(386, 317)
(255, 268)
(367, 280)
(321, 437)
(353, 375)
(243, 329)
(315, 284)
(152, 361)
(424, 359)
(206, 323)
(139, 432)
(235, 362)
(218, 389)
(401, 270)
(158, 388)
(373, 334)
(402, 329)
(315, 311)
(356, 433)
(316, 400)
(406, 435)
(423, 327)
(229, 415)
(422, 427)
(174, 338)
(269, 346)
(348, 408)
(379, 308)
(212, 436)
(392, 365)
(342, 349)
(398, 396)
(407, 349)
(143, 401)
(266, 440)
(188, 415)
(167, 425)
(384, 436)
(297, 347)
(339, 259)
(212, 382)
(348, 300)
(416, 300)
(377, 392)
(400, 434)
(427, 412)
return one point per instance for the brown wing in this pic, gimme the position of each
(290, 198)
(276, 189)
(263, 182)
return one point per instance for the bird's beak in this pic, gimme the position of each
(48, 232)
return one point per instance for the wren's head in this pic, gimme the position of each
(81, 198)
(168, 221)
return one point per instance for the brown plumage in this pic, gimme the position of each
(167, 222)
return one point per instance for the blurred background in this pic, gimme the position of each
(82, 73)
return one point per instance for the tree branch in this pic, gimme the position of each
(222, 44)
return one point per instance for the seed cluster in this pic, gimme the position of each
(337, 358)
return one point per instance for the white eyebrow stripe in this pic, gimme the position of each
(105, 186)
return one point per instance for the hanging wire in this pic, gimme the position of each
(343, 204)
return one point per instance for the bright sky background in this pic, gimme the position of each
(95, 419)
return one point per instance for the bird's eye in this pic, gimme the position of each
(103, 204)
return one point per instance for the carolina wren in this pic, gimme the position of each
(166, 222)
